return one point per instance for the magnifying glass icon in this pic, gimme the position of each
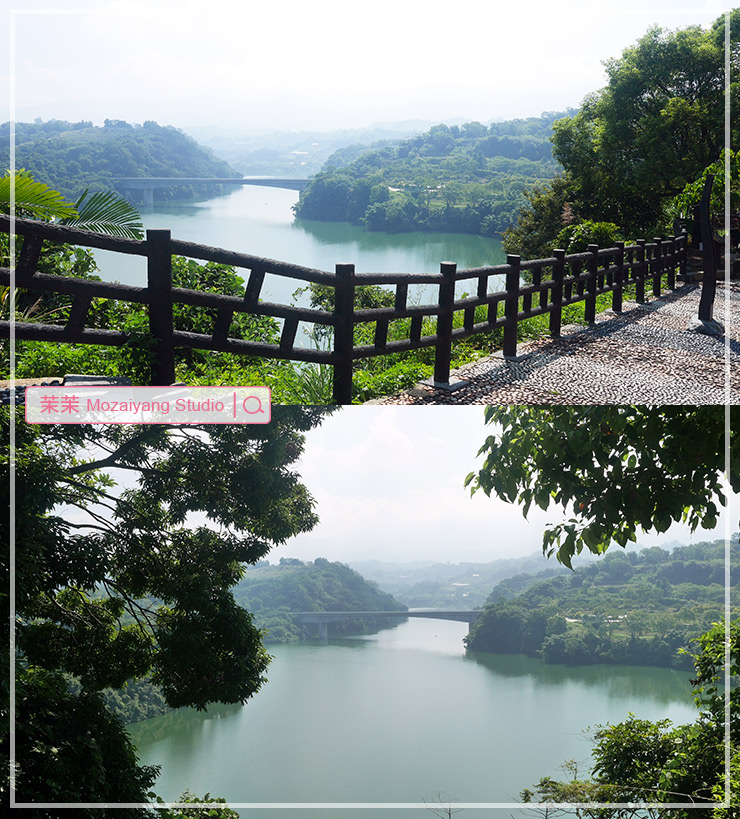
(245, 404)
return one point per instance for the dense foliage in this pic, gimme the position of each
(636, 608)
(271, 592)
(465, 179)
(71, 157)
(118, 582)
(638, 762)
(635, 144)
(614, 469)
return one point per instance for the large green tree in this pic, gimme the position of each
(615, 469)
(655, 126)
(115, 581)
(636, 143)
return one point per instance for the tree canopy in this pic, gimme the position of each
(655, 126)
(114, 582)
(636, 143)
(613, 468)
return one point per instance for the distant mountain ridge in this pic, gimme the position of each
(426, 584)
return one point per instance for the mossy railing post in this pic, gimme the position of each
(618, 291)
(591, 284)
(511, 306)
(443, 348)
(344, 307)
(640, 272)
(556, 310)
(159, 286)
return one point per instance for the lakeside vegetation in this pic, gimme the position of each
(628, 608)
(269, 592)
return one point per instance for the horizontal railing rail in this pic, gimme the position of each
(504, 296)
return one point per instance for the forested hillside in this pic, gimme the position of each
(70, 157)
(270, 592)
(465, 179)
(633, 608)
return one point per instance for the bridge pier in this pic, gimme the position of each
(324, 631)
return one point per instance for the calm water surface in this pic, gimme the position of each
(260, 221)
(400, 716)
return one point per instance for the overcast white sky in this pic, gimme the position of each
(388, 481)
(322, 64)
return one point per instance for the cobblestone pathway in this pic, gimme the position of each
(643, 356)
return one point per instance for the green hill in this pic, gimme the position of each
(270, 592)
(70, 157)
(633, 608)
(465, 179)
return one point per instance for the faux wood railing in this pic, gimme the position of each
(554, 283)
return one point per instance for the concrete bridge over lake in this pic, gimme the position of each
(323, 618)
(146, 185)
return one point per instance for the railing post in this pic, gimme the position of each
(443, 350)
(511, 306)
(159, 285)
(706, 323)
(618, 290)
(556, 311)
(670, 264)
(641, 271)
(344, 308)
(683, 244)
(591, 284)
(658, 268)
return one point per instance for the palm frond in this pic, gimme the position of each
(106, 212)
(34, 198)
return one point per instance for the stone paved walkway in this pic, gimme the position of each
(644, 355)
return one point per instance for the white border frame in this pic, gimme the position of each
(14, 13)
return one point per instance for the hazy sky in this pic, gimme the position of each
(322, 64)
(388, 482)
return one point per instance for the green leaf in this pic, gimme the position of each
(33, 197)
(106, 212)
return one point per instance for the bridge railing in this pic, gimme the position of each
(505, 295)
